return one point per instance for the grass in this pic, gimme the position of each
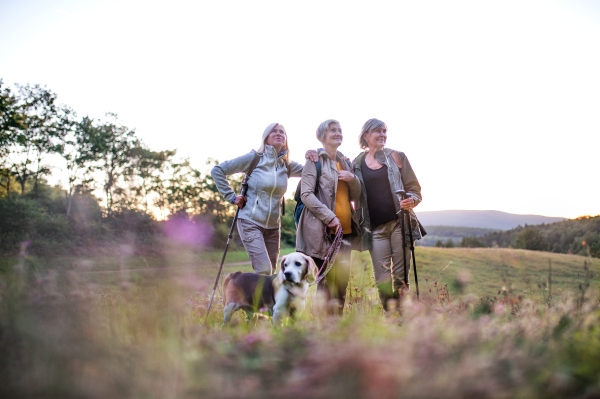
(65, 332)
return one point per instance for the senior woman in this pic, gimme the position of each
(328, 205)
(382, 171)
(259, 218)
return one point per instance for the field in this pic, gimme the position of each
(491, 323)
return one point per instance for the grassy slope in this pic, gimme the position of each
(489, 269)
(142, 334)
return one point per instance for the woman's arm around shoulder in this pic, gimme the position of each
(295, 169)
(220, 172)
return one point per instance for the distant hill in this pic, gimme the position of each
(482, 219)
(576, 236)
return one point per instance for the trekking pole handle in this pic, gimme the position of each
(403, 194)
(244, 186)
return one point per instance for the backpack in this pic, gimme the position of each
(299, 204)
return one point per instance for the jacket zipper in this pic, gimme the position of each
(272, 190)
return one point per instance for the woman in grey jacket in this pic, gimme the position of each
(383, 171)
(259, 217)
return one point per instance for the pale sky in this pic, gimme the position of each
(495, 103)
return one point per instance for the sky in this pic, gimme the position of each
(495, 103)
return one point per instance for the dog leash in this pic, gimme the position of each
(332, 253)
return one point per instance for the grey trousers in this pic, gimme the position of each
(388, 263)
(262, 246)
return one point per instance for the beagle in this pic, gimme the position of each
(282, 294)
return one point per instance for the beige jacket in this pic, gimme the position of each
(319, 209)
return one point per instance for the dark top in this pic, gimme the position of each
(379, 195)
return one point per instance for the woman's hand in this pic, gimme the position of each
(408, 203)
(313, 155)
(240, 201)
(334, 224)
(346, 176)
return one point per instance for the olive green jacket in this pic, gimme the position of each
(400, 179)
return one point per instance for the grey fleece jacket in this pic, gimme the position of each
(267, 184)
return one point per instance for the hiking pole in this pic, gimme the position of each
(229, 237)
(412, 242)
(403, 232)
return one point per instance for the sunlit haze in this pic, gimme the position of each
(495, 103)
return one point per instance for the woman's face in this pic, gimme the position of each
(334, 136)
(277, 137)
(376, 138)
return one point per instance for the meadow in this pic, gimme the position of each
(490, 323)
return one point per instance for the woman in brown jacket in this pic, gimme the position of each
(328, 206)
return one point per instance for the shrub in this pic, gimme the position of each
(531, 239)
(471, 242)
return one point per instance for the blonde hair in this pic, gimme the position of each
(369, 126)
(268, 130)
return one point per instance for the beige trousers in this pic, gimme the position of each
(262, 246)
(388, 262)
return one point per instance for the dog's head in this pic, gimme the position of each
(297, 268)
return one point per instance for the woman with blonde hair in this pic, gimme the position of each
(259, 218)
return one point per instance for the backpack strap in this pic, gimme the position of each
(255, 161)
(318, 166)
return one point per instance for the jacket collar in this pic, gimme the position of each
(339, 156)
(270, 152)
(380, 155)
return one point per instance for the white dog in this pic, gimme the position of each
(282, 294)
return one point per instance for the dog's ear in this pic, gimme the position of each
(281, 269)
(281, 277)
(282, 264)
(312, 271)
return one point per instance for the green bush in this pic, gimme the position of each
(532, 239)
(471, 242)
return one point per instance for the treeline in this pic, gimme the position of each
(99, 156)
(579, 236)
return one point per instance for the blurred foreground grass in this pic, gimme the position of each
(491, 326)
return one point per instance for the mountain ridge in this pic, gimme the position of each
(482, 219)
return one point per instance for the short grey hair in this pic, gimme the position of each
(322, 129)
(369, 126)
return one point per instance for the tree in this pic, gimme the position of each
(532, 239)
(72, 148)
(471, 242)
(439, 243)
(146, 173)
(109, 147)
(34, 135)
(449, 244)
(10, 119)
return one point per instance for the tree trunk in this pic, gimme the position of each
(69, 199)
